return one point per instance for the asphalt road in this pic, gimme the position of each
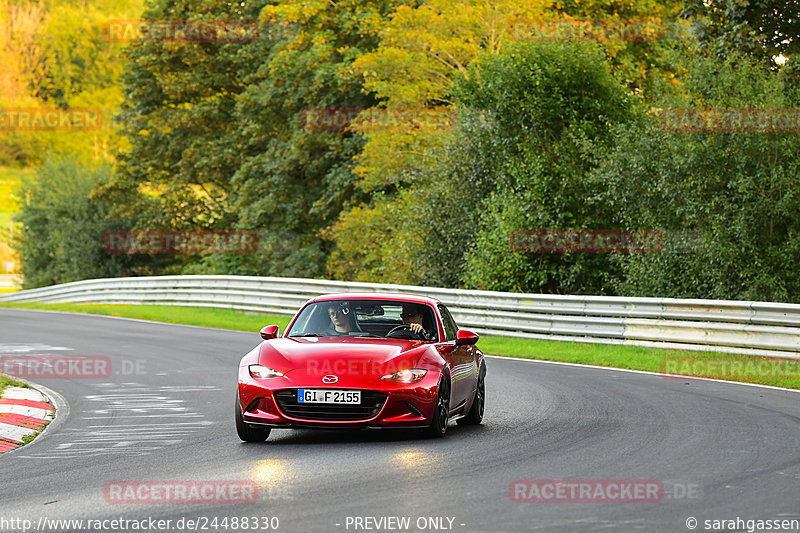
(165, 413)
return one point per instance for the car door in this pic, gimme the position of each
(463, 370)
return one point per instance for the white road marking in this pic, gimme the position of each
(133, 405)
(17, 348)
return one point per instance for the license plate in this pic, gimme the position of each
(329, 396)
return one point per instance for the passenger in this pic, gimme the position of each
(341, 321)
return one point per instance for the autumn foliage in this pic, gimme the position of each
(405, 141)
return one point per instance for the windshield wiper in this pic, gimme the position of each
(305, 335)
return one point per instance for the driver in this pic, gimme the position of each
(340, 320)
(412, 317)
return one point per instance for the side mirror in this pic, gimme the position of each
(464, 337)
(269, 332)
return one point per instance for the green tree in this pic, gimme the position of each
(179, 118)
(55, 55)
(533, 121)
(549, 109)
(727, 200)
(425, 47)
(217, 131)
(296, 179)
(761, 28)
(643, 41)
(63, 226)
(422, 49)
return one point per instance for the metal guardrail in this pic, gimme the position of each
(758, 328)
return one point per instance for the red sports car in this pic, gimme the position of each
(362, 360)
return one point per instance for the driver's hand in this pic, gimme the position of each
(417, 328)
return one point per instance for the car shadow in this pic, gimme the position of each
(309, 436)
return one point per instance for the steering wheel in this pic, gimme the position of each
(403, 327)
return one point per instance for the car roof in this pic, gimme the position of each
(410, 298)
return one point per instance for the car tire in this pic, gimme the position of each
(475, 415)
(441, 411)
(247, 432)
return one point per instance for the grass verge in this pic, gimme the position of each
(6, 381)
(745, 368)
(193, 316)
(27, 439)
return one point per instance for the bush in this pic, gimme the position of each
(534, 121)
(736, 195)
(63, 226)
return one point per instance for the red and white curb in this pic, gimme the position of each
(23, 412)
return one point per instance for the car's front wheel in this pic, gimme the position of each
(441, 411)
(475, 414)
(247, 432)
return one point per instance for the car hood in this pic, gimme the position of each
(344, 357)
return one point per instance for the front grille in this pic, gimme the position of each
(371, 404)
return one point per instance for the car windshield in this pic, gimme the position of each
(366, 318)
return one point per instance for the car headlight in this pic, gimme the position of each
(407, 376)
(261, 371)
